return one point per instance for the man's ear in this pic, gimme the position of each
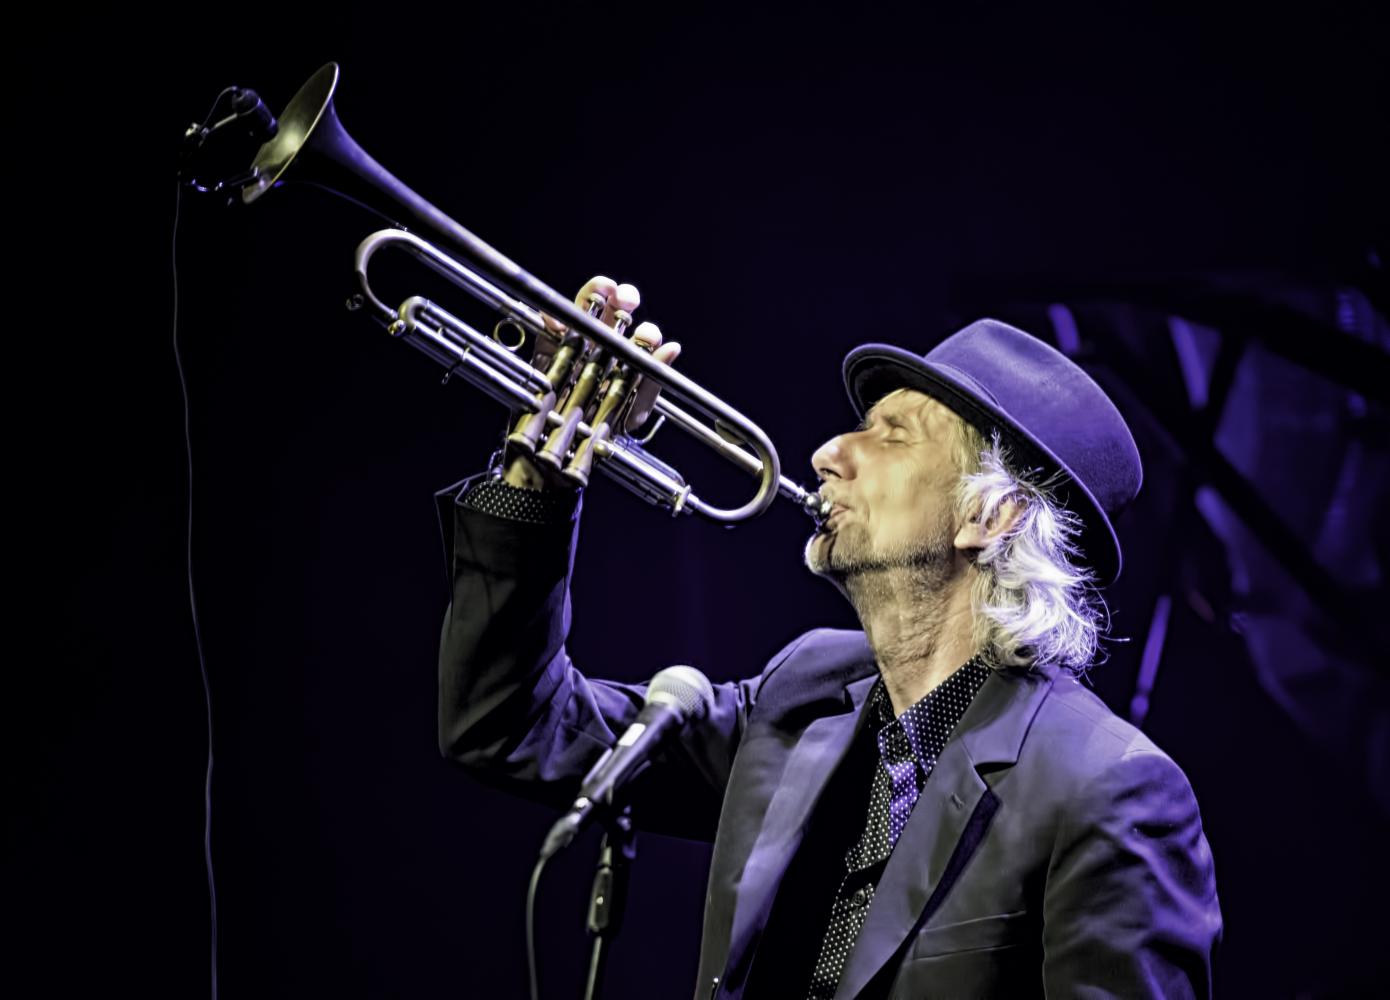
(975, 534)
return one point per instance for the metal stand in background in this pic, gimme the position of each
(609, 896)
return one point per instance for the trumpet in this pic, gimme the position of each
(571, 416)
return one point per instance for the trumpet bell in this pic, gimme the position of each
(309, 113)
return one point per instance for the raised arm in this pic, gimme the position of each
(513, 708)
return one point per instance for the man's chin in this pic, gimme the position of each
(826, 556)
(837, 558)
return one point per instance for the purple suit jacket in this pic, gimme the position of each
(1054, 851)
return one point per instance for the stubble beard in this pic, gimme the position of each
(846, 556)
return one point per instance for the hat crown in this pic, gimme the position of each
(1051, 396)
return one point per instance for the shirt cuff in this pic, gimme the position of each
(516, 503)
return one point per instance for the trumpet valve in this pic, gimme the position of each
(529, 426)
(610, 410)
(557, 445)
(581, 466)
(526, 432)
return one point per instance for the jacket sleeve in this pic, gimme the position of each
(517, 713)
(1130, 907)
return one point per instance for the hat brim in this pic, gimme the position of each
(874, 370)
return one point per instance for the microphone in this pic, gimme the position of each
(675, 697)
(248, 104)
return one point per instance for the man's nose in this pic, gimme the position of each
(831, 460)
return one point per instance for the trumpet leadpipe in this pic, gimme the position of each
(723, 440)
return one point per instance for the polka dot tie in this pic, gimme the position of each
(908, 748)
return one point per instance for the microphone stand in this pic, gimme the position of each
(608, 898)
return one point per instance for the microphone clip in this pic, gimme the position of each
(213, 152)
(608, 896)
(567, 827)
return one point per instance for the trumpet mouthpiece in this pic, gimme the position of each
(816, 507)
(811, 503)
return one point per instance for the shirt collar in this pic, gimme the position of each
(929, 722)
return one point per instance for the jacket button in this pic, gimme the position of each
(859, 898)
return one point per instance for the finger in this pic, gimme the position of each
(668, 353)
(647, 336)
(597, 285)
(624, 297)
(648, 390)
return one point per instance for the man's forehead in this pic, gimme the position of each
(911, 404)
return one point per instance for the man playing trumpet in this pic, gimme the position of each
(932, 806)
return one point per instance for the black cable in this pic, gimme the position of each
(355, 201)
(188, 564)
(193, 607)
(531, 927)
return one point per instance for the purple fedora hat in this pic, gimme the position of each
(1049, 413)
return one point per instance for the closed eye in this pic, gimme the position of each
(898, 431)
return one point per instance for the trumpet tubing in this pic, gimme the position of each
(571, 415)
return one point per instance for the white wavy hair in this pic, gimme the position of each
(1035, 604)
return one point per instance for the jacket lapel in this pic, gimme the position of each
(947, 824)
(810, 765)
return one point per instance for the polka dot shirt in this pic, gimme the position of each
(908, 748)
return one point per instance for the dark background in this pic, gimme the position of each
(782, 185)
